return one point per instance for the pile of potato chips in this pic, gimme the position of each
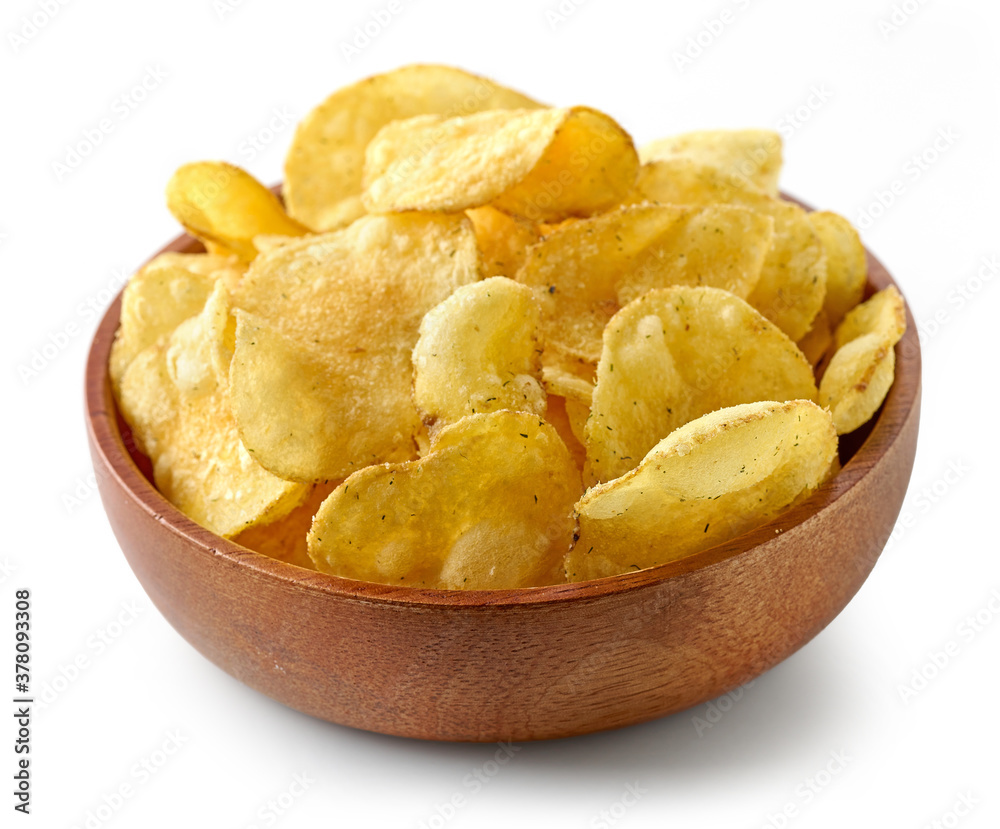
(485, 343)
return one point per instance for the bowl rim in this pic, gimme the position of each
(106, 440)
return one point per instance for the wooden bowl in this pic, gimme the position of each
(512, 664)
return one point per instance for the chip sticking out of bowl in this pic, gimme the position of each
(706, 482)
(478, 352)
(543, 164)
(325, 163)
(792, 284)
(584, 271)
(175, 396)
(750, 155)
(226, 208)
(490, 506)
(863, 365)
(676, 354)
(321, 377)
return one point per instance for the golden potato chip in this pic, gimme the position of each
(322, 374)
(684, 181)
(326, 159)
(846, 264)
(503, 240)
(584, 271)
(792, 283)
(204, 264)
(201, 348)
(199, 463)
(862, 368)
(489, 507)
(559, 380)
(228, 269)
(884, 313)
(557, 415)
(817, 340)
(264, 242)
(285, 539)
(710, 480)
(225, 206)
(155, 301)
(543, 164)
(478, 352)
(676, 354)
(751, 155)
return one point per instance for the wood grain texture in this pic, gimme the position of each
(517, 664)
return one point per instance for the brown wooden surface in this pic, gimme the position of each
(516, 664)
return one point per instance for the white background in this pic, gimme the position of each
(868, 100)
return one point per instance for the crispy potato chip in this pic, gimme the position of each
(285, 539)
(674, 355)
(710, 480)
(503, 240)
(863, 366)
(325, 162)
(558, 380)
(817, 341)
(685, 181)
(228, 269)
(557, 415)
(322, 372)
(225, 206)
(204, 264)
(478, 352)
(155, 301)
(792, 283)
(883, 313)
(846, 264)
(489, 507)
(201, 347)
(584, 271)
(543, 164)
(264, 242)
(751, 155)
(199, 463)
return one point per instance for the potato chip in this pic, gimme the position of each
(792, 283)
(189, 434)
(684, 181)
(325, 162)
(862, 368)
(846, 264)
(559, 380)
(285, 539)
(228, 268)
(584, 271)
(322, 372)
(155, 301)
(478, 352)
(503, 240)
(201, 347)
(709, 481)
(204, 264)
(223, 205)
(817, 340)
(750, 155)
(883, 313)
(557, 415)
(489, 507)
(543, 165)
(154, 305)
(674, 355)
